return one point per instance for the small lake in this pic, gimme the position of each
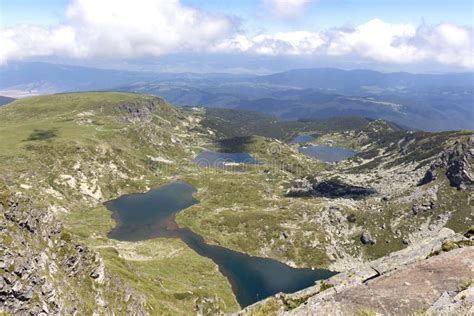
(220, 160)
(152, 214)
(326, 153)
(301, 139)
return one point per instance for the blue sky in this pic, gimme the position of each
(320, 14)
(31, 11)
(329, 13)
(381, 33)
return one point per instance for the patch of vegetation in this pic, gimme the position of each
(66, 237)
(466, 284)
(470, 232)
(247, 212)
(293, 303)
(171, 276)
(269, 307)
(365, 312)
(39, 134)
(7, 240)
(323, 286)
(231, 123)
(451, 245)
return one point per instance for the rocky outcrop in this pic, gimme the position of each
(138, 110)
(42, 270)
(434, 276)
(458, 163)
(331, 188)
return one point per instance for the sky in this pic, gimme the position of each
(241, 35)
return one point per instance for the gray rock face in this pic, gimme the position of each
(137, 111)
(22, 267)
(458, 163)
(42, 271)
(404, 291)
(424, 277)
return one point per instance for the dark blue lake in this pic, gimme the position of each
(327, 154)
(152, 214)
(220, 160)
(301, 139)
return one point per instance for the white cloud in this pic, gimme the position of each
(281, 43)
(125, 29)
(375, 40)
(286, 8)
(119, 28)
(446, 43)
(405, 43)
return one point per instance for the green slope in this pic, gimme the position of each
(72, 152)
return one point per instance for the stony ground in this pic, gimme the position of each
(434, 277)
(44, 271)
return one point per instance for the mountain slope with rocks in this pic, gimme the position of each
(65, 155)
(45, 271)
(381, 196)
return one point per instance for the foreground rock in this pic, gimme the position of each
(434, 277)
(43, 271)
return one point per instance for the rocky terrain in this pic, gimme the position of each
(64, 155)
(44, 272)
(457, 163)
(434, 277)
(382, 199)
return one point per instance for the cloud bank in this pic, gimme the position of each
(376, 40)
(143, 28)
(119, 28)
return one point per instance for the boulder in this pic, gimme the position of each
(367, 239)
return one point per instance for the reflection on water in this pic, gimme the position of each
(327, 154)
(211, 159)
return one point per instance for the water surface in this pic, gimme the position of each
(326, 153)
(152, 214)
(141, 216)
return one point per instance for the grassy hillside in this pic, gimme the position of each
(240, 123)
(72, 152)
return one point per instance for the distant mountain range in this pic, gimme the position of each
(5, 100)
(430, 102)
(363, 81)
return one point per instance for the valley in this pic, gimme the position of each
(68, 154)
(427, 102)
(244, 158)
